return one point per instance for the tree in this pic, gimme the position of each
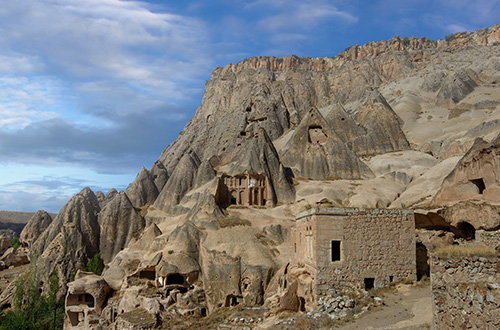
(95, 265)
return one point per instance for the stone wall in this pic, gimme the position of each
(355, 247)
(465, 292)
(488, 238)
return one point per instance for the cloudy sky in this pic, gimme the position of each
(92, 90)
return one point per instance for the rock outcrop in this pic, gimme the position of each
(316, 152)
(258, 156)
(476, 175)
(35, 227)
(71, 239)
(119, 222)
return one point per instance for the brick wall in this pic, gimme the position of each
(465, 292)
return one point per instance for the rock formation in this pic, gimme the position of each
(71, 239)
(316, 152)
(35, 227)
(476, 175)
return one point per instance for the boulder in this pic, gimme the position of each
(15, 257)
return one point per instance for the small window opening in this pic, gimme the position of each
(342, 118)
(175, 279)
(243, 133)
(231, 300)
(149, 274)
(284, 284)
(369, 283)
(479, 183)
(302, 304)
(233, 200)
(248, 109)
(335, 250)
(203, 312)
(391, 279)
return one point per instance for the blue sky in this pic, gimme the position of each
(92, 90)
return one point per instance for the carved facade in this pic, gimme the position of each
(350, 247)
(246, 189)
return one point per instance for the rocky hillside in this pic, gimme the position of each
(379, 125)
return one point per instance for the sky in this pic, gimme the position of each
(92, 90)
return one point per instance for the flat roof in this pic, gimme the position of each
(346, 211)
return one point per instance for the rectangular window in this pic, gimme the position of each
(335, 250)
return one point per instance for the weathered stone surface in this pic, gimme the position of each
(456, 87)
(143, 190)
(81, 210)
(35, 227)
(15, 257)
(120, 222)
(71, 239)
(182, 179)
(314, 151)
(382, 125)
(476, 175)
(258, 156)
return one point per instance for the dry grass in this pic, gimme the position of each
(464, 250)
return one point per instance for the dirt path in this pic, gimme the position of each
(407, 309)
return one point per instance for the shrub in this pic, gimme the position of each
(405, 41)
(95, 265)
(449, 37)
(15, 243)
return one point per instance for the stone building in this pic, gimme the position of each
(245, 189)
(351, 247)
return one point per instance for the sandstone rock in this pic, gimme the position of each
(5, 242)
(260, 157)
(456, 87)
(71, 238)
(119, 223)
(81, 210)
(35, 227)
(15, 257)
(382, 125)
(314, 151)
(143, 190)
(221, 279)
(476, 175)
(159, 174)
(100, 198)
(182, 179)
(110, 195)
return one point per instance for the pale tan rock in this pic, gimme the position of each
(35, 227)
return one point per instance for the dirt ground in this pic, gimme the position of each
(407, 309)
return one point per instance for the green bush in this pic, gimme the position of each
(405, 41)
(449, 37)
(95, 265)
(14, 242)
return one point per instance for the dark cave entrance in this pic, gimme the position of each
(422, 261)
(479, 183)
(468, 230)
(175, 279)
(369, 283)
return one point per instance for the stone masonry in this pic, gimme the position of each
(465, 292)
(351, 247)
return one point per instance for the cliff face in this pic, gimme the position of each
(379, 125)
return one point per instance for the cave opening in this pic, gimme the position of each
(479, 183)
